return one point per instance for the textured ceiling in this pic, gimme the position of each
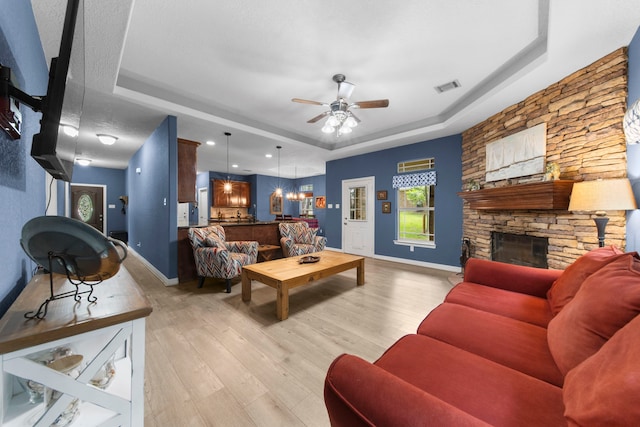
(234, 66)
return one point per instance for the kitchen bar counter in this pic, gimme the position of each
(264, 232)
(231, 223)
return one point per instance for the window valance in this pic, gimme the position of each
(414, 179)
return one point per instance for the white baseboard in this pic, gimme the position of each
(164, 279)
(444, 267)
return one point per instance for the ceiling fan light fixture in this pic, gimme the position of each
(327, 129)
(333, 121)
(351, 122)
(344, 129)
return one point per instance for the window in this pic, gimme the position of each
(306, 204)
(415, 208)
(416, 214)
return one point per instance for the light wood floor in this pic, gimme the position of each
(213, 360)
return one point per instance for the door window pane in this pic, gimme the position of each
(358, 203)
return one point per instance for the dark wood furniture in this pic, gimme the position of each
(240, 196)
(187, 169)
(533, 196)
(267, 252)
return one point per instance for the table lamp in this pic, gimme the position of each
(600, 196)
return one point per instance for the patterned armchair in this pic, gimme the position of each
(216, 257)
(298, 239)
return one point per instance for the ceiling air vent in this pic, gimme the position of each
(447, 86)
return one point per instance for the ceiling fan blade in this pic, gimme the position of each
(318, 117)
(378, 103)
(306, 101)
(345, 89)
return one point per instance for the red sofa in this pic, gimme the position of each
(509, 346)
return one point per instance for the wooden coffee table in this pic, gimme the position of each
(286, 273)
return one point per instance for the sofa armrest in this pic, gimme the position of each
(511, 277)
(358, 393)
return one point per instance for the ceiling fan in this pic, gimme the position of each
(341, 119)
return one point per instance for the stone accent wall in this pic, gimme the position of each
(583, 113)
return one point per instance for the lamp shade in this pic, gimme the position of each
(631, 123)
(602, 195)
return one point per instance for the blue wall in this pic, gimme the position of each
(382, 165)
(115, 181)
(22, 181)
(633, 151)
(153, 211)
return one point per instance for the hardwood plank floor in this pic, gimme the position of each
(213, 360)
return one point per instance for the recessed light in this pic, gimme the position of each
(268, 156)
(211, 142)
(83, 162)
(106, 139)
(70, 130)
(234, 166)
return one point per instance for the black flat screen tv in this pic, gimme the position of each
(52, 148)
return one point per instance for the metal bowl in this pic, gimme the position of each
(71, 247)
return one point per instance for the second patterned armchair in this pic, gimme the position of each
(215, 257)
(298, 239)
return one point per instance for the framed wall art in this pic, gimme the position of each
(275, 204)
(321, 202)
(381, 194)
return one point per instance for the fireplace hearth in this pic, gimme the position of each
(519, 249)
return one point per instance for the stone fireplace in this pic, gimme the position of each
(519, 249)
(583, 114)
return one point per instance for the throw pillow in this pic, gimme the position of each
(606, 301)
(213, 241)
(604, 389)
(565, 287)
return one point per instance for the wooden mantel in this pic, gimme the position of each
(532, 196)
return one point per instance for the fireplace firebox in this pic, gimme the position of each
(519, 249)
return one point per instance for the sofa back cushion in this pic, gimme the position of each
(565, 287)
(606, 301)
(604, 389)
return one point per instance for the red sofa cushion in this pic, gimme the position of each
(606, 301)
(516, 278)
(565, 287)
(512, 343)
(604, 389)
(358, 393)
(527, 308)
(487, 390)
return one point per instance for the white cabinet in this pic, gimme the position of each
(112, 328)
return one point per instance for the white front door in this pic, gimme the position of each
(203, 206)
(358, 216)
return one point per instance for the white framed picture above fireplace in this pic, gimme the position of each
(516, 155)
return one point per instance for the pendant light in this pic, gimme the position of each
(227, 184)
(295, 195)
(279, 189)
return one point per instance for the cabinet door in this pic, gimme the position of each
(240, 196)
(244, 194)
(187, 168)
(220, 199)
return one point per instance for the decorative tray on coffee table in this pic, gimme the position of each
(308, 259)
